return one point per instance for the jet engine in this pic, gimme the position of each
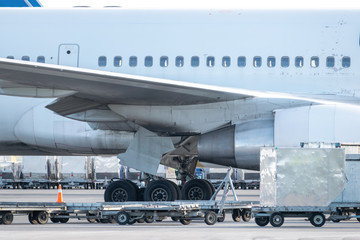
(237, 145)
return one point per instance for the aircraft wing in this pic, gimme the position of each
(78, 89)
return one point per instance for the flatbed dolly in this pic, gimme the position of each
(123, 213)
(336, 212)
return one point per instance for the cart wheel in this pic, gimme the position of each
(54, 220)
(90, 220)
(175, 219)
(31, 218)
(246, 215)
(210, 218)
(64, 220)
(222, 218)
(236, 215)
(317, 219)
(337, 213)
(357, 213)
(276, 219)
(122, 218)
(132, 221)
(41, 217)
(141, 220)
(7, 218)
(185, 221)
(149, 219)
(262, 221)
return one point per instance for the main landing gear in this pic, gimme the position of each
(158, 190)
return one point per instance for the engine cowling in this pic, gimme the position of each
(45, 130)
(237, 145)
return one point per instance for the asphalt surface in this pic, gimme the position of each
(167, 230)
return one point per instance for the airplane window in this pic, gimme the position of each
(330, 61)
(241, 61)
(346, 62)
(299, 62)
(41, 59)
(25, 58)
(148, 61)
(101, 61)
(210, 61)
(117, 61)
(285, 62)
(257, 62)
(226, 61)
(10, 57)
(179, 61)
(195, 61)
(271, 62)
(314, 62)
(164, 61)
(133, 61)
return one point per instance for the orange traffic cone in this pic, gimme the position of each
(60, 196)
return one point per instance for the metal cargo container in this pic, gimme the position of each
(351, 192)
(9, 174)
(301, 177)
(34, 172)
(74, 171)
(106, 167)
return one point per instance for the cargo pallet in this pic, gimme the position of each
(211, 211)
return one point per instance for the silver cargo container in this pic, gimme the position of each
(106, 167)
(9, 174)
(301, 177)
(35, 167)
(75, 171)
(34, 172)
(351, 193)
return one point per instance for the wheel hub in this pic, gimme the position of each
(277, 219)
(196, 193)
(119, 195)
(159, 195)
(318, 220)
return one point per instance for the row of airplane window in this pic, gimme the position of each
(226, 61)
(210, 61)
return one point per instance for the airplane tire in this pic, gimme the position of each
(178, 191)
(120, 191)
(196, 189)
(159, 191)
(211, 186)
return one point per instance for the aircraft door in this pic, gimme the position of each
(69, 55)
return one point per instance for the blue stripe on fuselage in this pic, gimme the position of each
(19, 3)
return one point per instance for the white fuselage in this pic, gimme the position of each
(164, 44)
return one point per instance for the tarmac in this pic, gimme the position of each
(293, 228)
